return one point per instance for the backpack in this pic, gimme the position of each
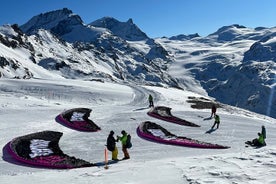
(110, 145)
(128, 142)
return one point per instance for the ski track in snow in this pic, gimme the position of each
(32, 105)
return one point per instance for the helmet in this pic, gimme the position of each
(111, 132)
(123, 132)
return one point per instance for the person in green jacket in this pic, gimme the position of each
(260, 141)
(217, 121)
(123, 140)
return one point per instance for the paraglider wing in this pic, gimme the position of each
(78, 119)
(42, 149)
(164, 113)
(156, 133)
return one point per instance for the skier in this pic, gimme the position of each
(214, 109)
(151, 101)
(111, 145)
(123, 139)
(217, 121)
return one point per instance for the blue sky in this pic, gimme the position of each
(155, 17)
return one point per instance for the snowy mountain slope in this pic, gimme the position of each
(36, 103)
(89, 62)
(74, 50)
(16, 55)
(239, 72)
(235, 65)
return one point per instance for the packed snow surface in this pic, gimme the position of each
(28, 106)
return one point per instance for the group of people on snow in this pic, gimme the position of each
(217, 118)
(258, 142)
(126, 138)
(126, 143)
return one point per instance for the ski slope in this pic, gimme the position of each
(28, 106)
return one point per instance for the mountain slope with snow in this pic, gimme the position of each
(240, 72)
(235, 65)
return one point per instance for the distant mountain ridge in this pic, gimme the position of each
(64, 44)
(126, 30)
(235, 64)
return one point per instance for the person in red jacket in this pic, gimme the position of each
(214, 110)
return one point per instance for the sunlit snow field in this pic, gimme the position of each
(29, 106)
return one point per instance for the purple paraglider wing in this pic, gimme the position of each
(164, 113)
(77, 119)
(156, 133)
(42, 149)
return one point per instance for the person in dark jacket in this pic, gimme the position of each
(111, 145)
(213, 111)
(264, 131)
(151, 101)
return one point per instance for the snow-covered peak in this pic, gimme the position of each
(236, 32)
(50, 20)
(126, 30)
(64, 24)
(107, 22)
(232, 27)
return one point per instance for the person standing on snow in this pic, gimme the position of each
(264, 131)
(217, 121)
(151, 101)
(123, 139)
(214, 109)
(111, 145)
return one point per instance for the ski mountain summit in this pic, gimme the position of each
(235, 65)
